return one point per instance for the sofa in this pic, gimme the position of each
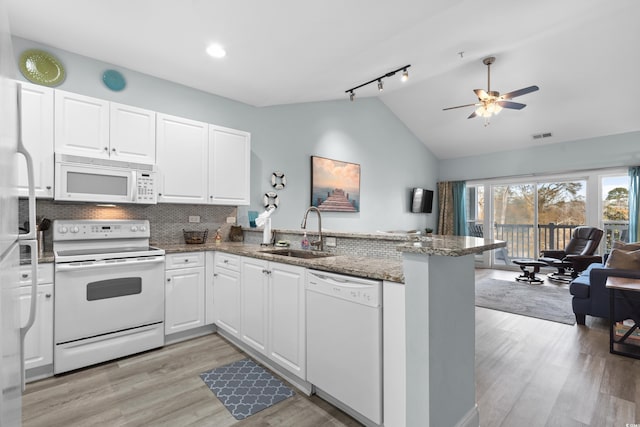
(591, 297)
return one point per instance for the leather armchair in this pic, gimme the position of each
(576, 256)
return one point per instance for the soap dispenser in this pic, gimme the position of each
(304, 244)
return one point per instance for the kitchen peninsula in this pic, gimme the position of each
(438, 273)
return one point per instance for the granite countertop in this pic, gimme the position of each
(371, 268)
(451, 245)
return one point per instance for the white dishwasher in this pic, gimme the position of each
(344, 343)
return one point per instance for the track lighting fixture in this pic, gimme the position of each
(404, 78)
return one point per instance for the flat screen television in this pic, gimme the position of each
(421, 200)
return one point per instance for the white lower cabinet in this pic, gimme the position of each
(184, 292)
(38, 344)
(394, 355)
(272, 312)
(223, 291)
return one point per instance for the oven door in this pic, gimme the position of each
(99, 297)
(94, 184)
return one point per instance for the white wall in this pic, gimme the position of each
(594, 153)
(283, 139)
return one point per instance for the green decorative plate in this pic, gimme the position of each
(41, 67)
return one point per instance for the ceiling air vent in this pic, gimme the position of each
(542, 135)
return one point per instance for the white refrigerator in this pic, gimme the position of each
(11, 344)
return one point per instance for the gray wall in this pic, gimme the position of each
(283, 138)
(594, 153)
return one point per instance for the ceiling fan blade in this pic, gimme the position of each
(519, 92)
(472, 115)
(460, 106)
(512, 105)
(481, 93)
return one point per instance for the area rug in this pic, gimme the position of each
(542, 302)
(245, 388)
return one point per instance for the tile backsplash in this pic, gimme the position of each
(166, 220)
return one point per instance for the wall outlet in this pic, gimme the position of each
(194, 218)
(231, 220)
(330, 242)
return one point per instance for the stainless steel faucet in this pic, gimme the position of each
(317, 243)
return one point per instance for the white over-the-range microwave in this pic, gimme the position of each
(86, 179)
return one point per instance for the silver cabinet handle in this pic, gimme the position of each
(226, 261)
(25, 275)
(169, 279)
(48, 187)
(113, 149)
(106, 148)
(215, 274)
(47, 295)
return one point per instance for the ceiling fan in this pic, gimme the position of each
(491, 102)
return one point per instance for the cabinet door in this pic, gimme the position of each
(132, 134)
(226, 300)
(287, 345)
(38, 343)
(184, 299)
(255, 280)
(37, 136)
(182, 160)
(81, 125)
(229, 166)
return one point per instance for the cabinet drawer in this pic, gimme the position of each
(191, 259)
(45, 274)
(232, 262)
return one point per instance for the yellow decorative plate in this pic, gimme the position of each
(41, 67)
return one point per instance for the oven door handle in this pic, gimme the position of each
(75, 266)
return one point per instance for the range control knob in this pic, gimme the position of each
(75, 229)
(134, 228)
(143, 228)
(63, 230)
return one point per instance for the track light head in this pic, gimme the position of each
(405, 75)
(380, 86)
(352, 96)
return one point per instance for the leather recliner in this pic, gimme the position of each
(576, 256)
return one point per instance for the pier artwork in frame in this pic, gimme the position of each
(335, 185)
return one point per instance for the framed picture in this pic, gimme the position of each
(335, 185)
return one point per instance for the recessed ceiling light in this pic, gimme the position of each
(216, 51)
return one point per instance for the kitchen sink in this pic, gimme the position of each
(296, 253)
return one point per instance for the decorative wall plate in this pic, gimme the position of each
(270, 200)
(114, 80)
(41, 67)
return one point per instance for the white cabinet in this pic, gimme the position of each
(394, 354)
(287, 344)
(38, 344)
(223, 292)
(273, 312)
(132, 134)
(184, 292)
(81, 125)
(182, 160)
(92, 127)
(254, 292)
(201, 163)
(37, 136)
(229, 166)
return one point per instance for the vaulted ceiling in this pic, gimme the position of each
(583, 54)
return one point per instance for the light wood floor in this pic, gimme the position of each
(529, 372)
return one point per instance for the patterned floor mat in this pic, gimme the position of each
(245, 388)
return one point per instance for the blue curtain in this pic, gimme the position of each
(459, 208)
(634, 202)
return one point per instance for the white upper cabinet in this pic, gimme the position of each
(81, 125)
(182, 160)
(229, 166)
(92, 127)
(132, 134)
(37, 136)
(201, 163)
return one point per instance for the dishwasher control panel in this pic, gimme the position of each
(362, 291)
